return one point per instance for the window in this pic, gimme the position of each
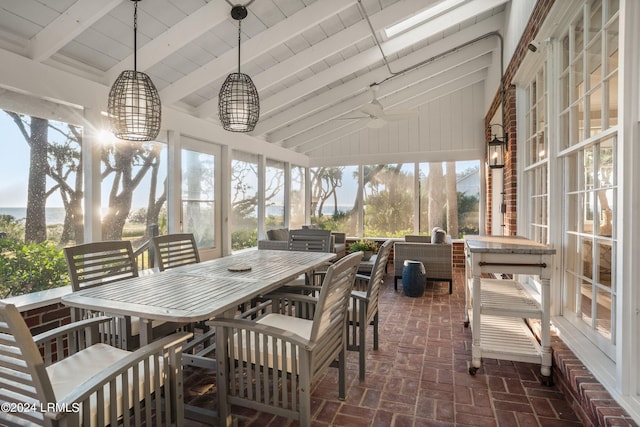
(537, 157)
(296, 198)
(589, 81)
(41, 206)
(244, 201)
(389, 193)
(388, 200)
(45, 204)
(334, 199)
(449, 197)
(133, 190)
(274, 195)
(198, 197)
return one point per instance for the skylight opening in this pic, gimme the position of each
(421, 17)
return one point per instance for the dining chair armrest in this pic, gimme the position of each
(359, 296)
(64, 330)
(268, 330)
(164, 354)
(361, 283)
(63, 341)
(294, 304)
(297, 289)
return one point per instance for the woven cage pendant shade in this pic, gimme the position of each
(238, 103)
(134, 107)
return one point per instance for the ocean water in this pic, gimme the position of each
(53, 215)
(56, 215)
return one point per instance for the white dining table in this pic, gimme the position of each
(197, 292)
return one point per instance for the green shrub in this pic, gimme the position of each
(26, 268)
(11, 228)
(246, 238)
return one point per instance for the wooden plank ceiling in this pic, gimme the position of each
(313, 61)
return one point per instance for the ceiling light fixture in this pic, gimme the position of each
(134, 108)
(496, 148)
(238, 101)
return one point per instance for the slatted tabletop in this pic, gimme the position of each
(199, 291)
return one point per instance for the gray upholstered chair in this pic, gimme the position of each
(77, 380)
(273, 361)
(174, 250)
(277, 239)
(436, 258)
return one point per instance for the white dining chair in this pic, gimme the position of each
(175, 250)
(364, 306)
(273, 362)
(98, 263)
(65, 377)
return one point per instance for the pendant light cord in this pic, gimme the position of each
(135, 36)
(239, 31)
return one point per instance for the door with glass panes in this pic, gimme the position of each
(200, 209)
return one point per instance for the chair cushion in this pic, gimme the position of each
(278, 234)
(300, 327)
(414, 238)
(69, 373)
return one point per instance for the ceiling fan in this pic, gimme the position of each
(376, 113)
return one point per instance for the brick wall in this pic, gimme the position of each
(458, 254)
(538, 15)
(45, 318)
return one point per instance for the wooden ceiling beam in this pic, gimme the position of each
(80, 16)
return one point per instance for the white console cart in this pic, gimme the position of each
(497, 308)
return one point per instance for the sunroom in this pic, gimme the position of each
(377, 119)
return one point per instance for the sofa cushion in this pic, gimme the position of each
(414, 238)
(278, 234)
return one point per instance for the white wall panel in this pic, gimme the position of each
(448, 128)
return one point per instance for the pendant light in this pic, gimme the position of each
(134, 104)
(238, 102)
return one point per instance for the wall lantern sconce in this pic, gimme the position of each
(238, 101)
(133, 105)
(496, 149)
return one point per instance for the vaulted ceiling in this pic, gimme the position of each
(312, 61)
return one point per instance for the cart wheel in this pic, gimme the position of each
(473, 370)
(547, 381)
(466, 324)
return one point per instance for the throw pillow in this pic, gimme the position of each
(439, 236)
(280, 234)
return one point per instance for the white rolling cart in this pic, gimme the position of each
(497, 308)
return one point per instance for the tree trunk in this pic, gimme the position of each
(436, 196)
(36, 225)
(452, 200)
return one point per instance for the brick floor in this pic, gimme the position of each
(419, 376)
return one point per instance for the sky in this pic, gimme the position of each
(13, 176)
